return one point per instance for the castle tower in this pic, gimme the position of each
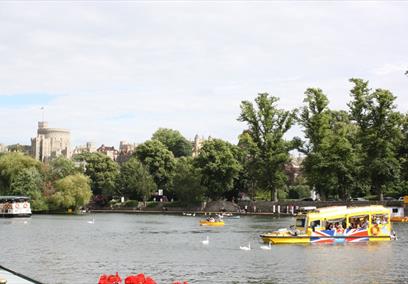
(50, 143)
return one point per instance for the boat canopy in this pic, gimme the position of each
(14, 199)
(333, 211)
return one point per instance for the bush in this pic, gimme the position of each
(152, 204)
(131, 203)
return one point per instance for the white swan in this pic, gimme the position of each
(246, 248)
(92, 221)
(206, 241)
(268, 247)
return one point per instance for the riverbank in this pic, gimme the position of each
(245, 207)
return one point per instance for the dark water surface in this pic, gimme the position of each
(67, 249)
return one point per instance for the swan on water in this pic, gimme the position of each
(92, 221)
(206, 241)
(268, 247)
(246, 248)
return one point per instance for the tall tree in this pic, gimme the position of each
(267, 125)
(247, 180)
(135, 181)
(174, 141)
(379, 133)
(315, 119)
(219, 167)
(102, 171)
(159, 161)
(403, 156)
(343, 157)
(331, 160)
(187, 181)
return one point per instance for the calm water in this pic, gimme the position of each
(67, 249)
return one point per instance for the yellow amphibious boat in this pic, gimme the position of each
(336, 224)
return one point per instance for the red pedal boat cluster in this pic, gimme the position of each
(132, 279)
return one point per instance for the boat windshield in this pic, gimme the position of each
(301, 222)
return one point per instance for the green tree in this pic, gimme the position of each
(102, 171)
(29, 182)
(218, 166)
(403, 157)
(330, 165)
(379, 134)
(72, 192)
(135, 182)
(187, 181)
(267, 125)
(19, 148)
(11, 164)
(61, 167)
(247, 180)
(342, 156)
(159, 162)
(174, 141)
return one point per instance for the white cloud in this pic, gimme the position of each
(121, 70)
(388, 69)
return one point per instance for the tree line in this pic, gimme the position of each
(360, 151)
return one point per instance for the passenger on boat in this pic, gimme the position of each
(293, 231)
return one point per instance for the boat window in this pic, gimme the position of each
(335, 224)
(379, 219)
(314, 224)
(301, 222)
(394, 210)
(356, 222)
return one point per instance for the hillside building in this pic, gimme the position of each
(50, 143)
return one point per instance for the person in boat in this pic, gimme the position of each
(211, 219)
(293, 231)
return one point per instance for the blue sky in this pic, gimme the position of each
(112, 71)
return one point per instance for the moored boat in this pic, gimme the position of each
(399, 219)
(336, 224)
(15, 206)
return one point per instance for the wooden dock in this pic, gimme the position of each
(12, 277)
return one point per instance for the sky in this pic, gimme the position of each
(118, 70)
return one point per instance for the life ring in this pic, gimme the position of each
(375, 230)
(17, 205)
(25, 205)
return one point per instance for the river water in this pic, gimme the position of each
(68, 249)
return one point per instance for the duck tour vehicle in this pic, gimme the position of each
(15, 206)
(336, 224)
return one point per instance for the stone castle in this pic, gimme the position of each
(50, 143)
